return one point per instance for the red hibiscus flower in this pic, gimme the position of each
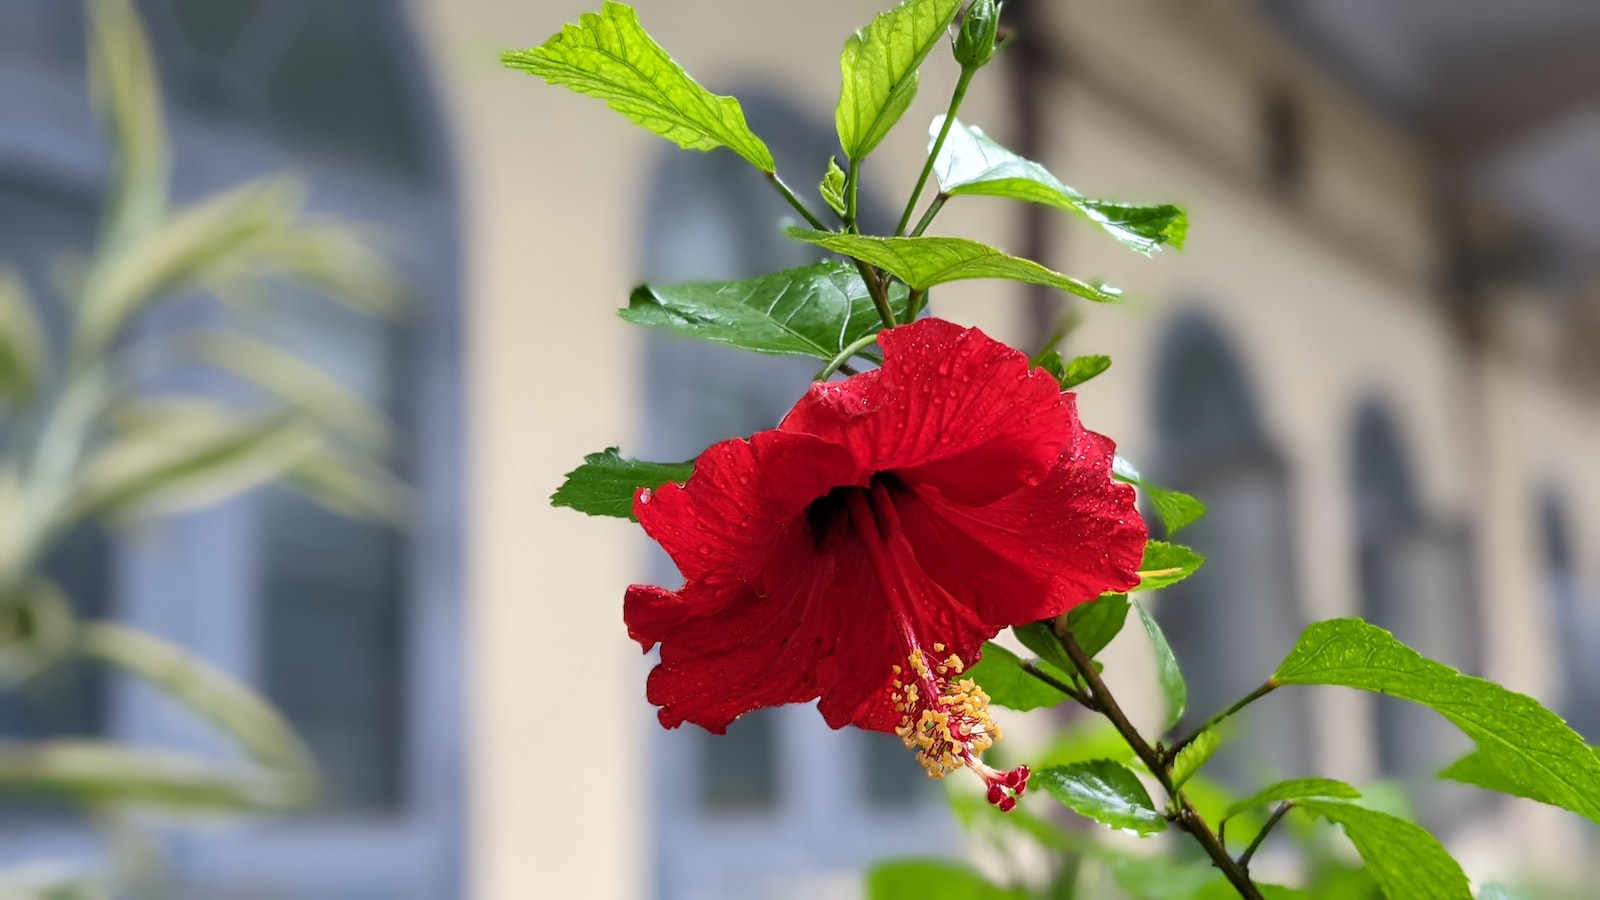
(864, 550)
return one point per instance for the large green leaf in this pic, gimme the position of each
(1038, 637)
(971, 163)
(1173, 687)
(1166, 564)
(1095, 623)
(235, 709)
(1104, 790)
(1529, 747)
(1175, 508)
(923, 262)
(816, 310)
(606, 482)
(186, 457)
(1003, 677)
(1405, 860)
(97, 773)
(878, 70)
(1295, 789)
(610, 56)
(919, 879)
(24, 352)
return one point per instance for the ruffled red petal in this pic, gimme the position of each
(950, 406)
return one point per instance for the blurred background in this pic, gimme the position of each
(1377, 360)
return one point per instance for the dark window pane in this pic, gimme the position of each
(894, 779)
(738, 769)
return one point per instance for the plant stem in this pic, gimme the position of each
(852, 181)
(927, 217)
(933, 152)
(914, 304)
(1172, 752)
(880, 294)
(1058, 684)
(795, 202)
(838, 362)
(1188, 818)
(1250, 851)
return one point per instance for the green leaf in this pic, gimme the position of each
(1194, 756)
(971, 163)
(1294, 789)
(1405, 860)
(1475, 770)
(39, 629)
(832, 188)
(1529, 747)
(924, 262)
(606, 483)
(1175, 508)
(816, 310)
(1166, 564)
(96, 773)
(1173, 687)
(610, 56)
(24, 352)
(1078, 371)
(1095, 623)
(128, 101)
(235, 709)
(189, 457)
(352, 486)
(1003, 677)
(918, 879)
(1103, 790)
(878, 70)
(1038, 637)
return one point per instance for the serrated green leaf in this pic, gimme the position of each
(1166, 564)
(971, 163)
(1295, 789)
(816, 310)
(924, 262)
(97, 773)
(1001, 675)
(918, 879)
(1529, 746)
(1173, 687)
(24, 352)
(1194, 756)
(1103, 790)
(832, 188)
(878, 70)
(1406, 861)
(606, 483)
(1071, 374)
(1097, 622)
(1473, 769)
(1175, 508)
(608, 55)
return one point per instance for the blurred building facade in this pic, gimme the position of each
(1380, 379)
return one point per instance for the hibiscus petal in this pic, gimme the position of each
(1037, 552)
(950, 406)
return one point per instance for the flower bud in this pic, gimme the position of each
(974, 43)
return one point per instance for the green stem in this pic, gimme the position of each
(852, 181)
(927, 217)
(1058, 684)
(838, 362)
(938, 143)
(795, 202)
(1187, 817)
(1219, 718)
(880, 294)
(914, 304)
(1250, 851)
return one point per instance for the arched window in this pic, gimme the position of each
(1574, 621)
(1414, 575)
(351, 629)
(1230, 623)
(780, 798)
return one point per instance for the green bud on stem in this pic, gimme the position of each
(974, 43)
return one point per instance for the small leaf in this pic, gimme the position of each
(1082, 369)
(1103, 790)
(1166, 564)
(95, 773)
(924, 262)
(24, 352)
(1405, 860)
(878, 70)
(1175, 508)
(816, 310)
(1295, 789)
(918, 879)
(610, 56)
(832, 188)
(1528, 747)
(1171, 678)
(1095, 623)
(1001, 675)
(971, 163)
(1194, 756)
(1038, 637)
(606, 483)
